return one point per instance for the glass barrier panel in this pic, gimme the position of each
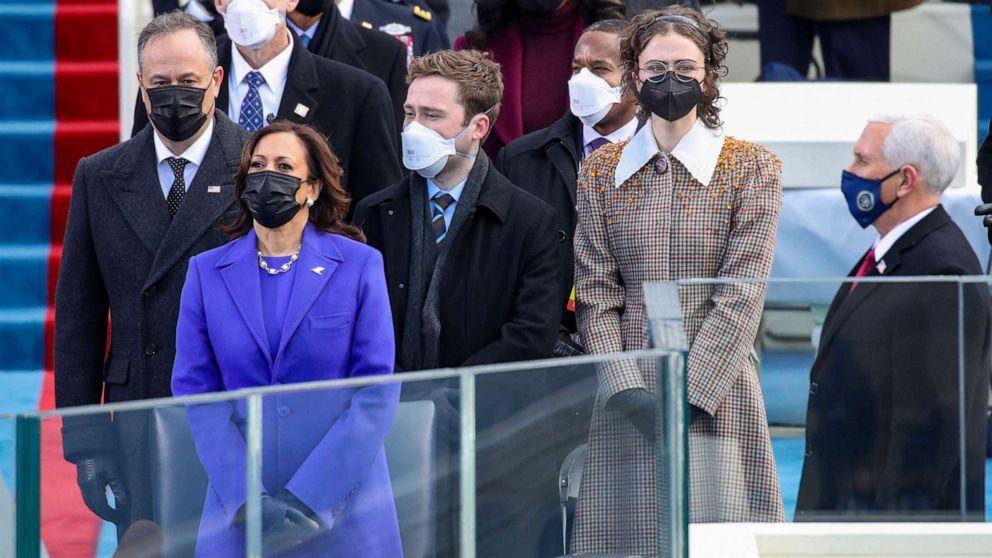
(134, 481)
(7, 485)
(848, 400)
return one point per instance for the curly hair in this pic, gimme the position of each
(330, 210)
(708, 37)
(495, 15)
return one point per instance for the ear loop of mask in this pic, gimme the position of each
(465, 129)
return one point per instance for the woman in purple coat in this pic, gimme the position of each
(296, 297)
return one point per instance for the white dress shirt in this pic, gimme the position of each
(346, 7)
(274, 72)
(884, 243)
(194, 154)
(622, 133)
(698, 150)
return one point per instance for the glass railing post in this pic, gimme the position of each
(467, 452)
(27, 491)
(253, 481)
(674, 456)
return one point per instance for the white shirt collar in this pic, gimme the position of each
(274, 71)
(699, 149)
(622, 133)
(346, 7)
(883, 244)
(194, 153)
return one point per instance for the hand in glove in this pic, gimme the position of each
(95, 474)
(639, 407)
(986, 210)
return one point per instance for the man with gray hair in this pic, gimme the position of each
(139, 211)
(901, 379)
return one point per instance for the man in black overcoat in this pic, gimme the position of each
(139, 211)
(472, 271)
(327, 33)
(885, 422)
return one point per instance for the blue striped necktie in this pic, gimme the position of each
(440, 202)
(251, 117)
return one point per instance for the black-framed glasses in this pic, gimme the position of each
(683, 71)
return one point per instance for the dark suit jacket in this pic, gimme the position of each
(882, 423)
(366, 49)
(125, 255)
(426, 33)
(546, 163)
(500, 291)
(349, 106)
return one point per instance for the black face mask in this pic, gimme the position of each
(670, 98)
(538, 7)
(310, 8)
(271, 197)
(177, 111)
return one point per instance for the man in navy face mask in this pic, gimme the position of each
(884, 419)
(139, 211)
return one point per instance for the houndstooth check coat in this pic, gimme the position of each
(662, 224)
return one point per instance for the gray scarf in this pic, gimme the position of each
(420, 347)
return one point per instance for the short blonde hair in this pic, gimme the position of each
(480, 83)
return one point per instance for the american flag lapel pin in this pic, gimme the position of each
(302, 110)
(881, 267)
(215, 189)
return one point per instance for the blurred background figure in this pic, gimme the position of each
(854, 35)
(533, 41)
(297, 296)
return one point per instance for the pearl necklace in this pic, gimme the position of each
(284, 267)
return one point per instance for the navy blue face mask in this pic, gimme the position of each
(864, 196)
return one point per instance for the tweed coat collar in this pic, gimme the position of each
(698, 151)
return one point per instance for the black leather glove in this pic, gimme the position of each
(286, 522)
(986, 210)
(639, 407)
(95, 474)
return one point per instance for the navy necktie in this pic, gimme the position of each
(251, 117)
(440, 202)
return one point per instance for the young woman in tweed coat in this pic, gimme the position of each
(679, 200)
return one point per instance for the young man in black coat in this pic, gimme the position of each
(884, 422)
(546, 162)
(139, 211)
(349, 106)
(472, 270)
(325, 32)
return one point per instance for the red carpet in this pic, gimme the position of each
(86, 109)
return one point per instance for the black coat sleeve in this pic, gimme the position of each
(985, 167)
(82, 306)
(374, 163)
(533, 326)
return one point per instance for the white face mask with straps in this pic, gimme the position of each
(590, 97)
(251, 23)
(426, 152)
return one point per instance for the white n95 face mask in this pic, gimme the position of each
(425, 151)
(590, 97)
(251, 23)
